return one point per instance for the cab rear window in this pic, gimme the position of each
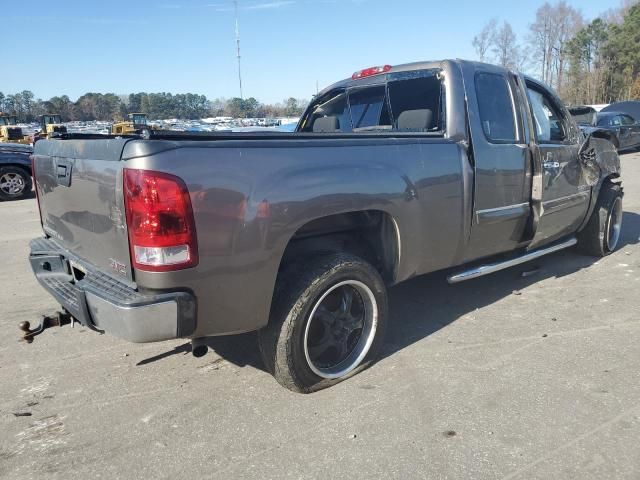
(368, 108)
(406, 102)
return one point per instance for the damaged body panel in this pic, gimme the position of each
(599, 162)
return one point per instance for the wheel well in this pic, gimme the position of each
(17, 165)
(612, 178)
(372, 235)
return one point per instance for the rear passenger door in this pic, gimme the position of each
(501, 158)
(565, 194)
(631, 131)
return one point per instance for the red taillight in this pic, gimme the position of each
(35, 186)
(162, 233)
(368, 72)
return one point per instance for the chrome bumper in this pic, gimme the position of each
(103, 303)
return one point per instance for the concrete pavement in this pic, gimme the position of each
(496, 378)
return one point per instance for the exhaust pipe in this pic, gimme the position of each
(199, 347)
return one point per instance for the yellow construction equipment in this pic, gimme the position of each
(135, 123)
(50, 126)
(10, 132)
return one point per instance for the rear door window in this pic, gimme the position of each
(496, 108)
(627, 120)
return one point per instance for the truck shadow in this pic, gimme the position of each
(426, 304)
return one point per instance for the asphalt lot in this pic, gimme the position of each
(499, 377)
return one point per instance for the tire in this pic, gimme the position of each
(313, 340)
(601, 235)
(15, 183)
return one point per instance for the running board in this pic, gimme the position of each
(495, 267)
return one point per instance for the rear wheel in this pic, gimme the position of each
(15, 183)
(602, 234)
(327, 322)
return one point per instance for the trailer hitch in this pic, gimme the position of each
(57, 320)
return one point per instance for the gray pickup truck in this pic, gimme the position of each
(392, 173)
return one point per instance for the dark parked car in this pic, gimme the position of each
(623, 129)
(15, 170)
(394, 172)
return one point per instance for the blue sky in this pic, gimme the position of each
(287, 46)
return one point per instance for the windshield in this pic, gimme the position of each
(51, 119)
(139, 118)
(583, 115)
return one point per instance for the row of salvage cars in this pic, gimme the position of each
(620, 121)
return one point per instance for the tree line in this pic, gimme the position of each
(586, 62)
(112, 107)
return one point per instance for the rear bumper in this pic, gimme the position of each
(103, 303)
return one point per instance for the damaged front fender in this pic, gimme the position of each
(598, 161)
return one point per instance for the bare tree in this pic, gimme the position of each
(542, 40)
(505, 47)
(616, 15)
(567, 21)
(483, 41)
(554, 26)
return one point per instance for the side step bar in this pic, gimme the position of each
(494, 267)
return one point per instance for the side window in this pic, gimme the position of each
(496, 108)
(615, 121)
(627, 120)
(368, 108)
(548, 122)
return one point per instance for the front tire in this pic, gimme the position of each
(601, 235)
(327, 322)
(15, 183)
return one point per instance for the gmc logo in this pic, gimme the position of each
(119, 267)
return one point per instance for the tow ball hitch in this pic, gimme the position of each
(57, 320)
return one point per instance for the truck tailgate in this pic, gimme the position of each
(79, 185)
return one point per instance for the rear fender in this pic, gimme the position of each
(328, 190)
